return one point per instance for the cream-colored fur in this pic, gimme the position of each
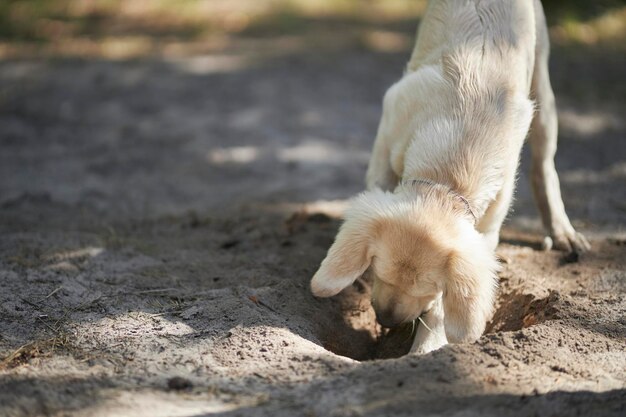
(456, 122)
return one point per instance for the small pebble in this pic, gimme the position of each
(178, 383)
(570, 258)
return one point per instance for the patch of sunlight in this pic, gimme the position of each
(374, 9)
(297, 346)
(125, 47)
(158, 403)
(607, 28)
(331, 208)
(311, 151)
(587, 124)
(616, 172)
(386, 41)
(113, 48)
(308, 152)
(87, 252)
(236, 155)
(209, 64)
(134, 325)
(128, 29)
(320, 151)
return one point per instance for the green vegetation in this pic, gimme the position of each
(127, 28)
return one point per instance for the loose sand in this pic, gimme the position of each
(160, 221)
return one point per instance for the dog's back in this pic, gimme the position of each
(464, 102)
(494, 38)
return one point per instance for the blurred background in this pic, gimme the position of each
(119, 109)
(123, 29)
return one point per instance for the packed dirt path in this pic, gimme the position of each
(160, 221)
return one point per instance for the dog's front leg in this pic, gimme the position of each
(543, 140)
(491, 222)
(431, 338)
(380, 173)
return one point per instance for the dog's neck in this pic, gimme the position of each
(464, 133)
(424, 186)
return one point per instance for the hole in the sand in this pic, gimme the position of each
(351, 329)
(348, 325)
(516, 311)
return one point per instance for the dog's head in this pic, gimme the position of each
(417, 248)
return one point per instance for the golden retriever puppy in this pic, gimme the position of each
(443, 168)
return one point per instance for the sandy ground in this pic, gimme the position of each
(160, 221)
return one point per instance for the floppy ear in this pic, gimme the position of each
(469, 293)
(347, 258)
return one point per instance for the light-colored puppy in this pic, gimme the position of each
(443, 168)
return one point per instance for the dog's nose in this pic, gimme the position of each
(387, 318)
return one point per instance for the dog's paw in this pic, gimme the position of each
(570, 241)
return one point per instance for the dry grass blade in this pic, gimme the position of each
(51, 294)
(425, 325)
(6, 362)
(36, 348)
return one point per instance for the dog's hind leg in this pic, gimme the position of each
(543, 142)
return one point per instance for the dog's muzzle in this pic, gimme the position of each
(387, 318)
